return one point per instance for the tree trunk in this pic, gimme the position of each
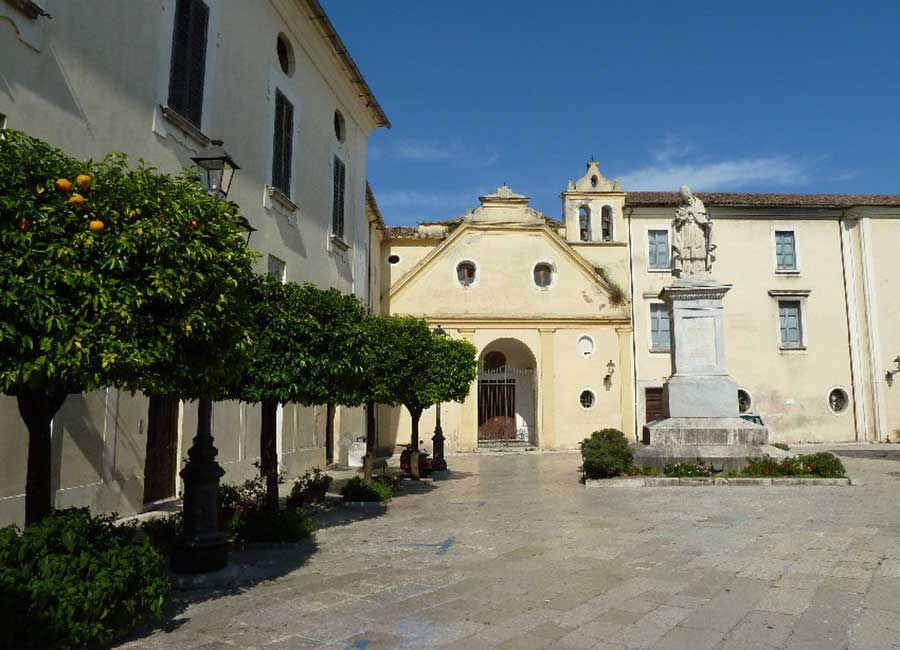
(416, 414)
(329, 434)
(37, 409)
(268, 452)
(369, 460)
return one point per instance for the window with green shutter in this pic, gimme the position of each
(283, 149)
(785, 250)
(340, 185)
(789, 320)
(660, 339)
(188, 68)
(658, 249)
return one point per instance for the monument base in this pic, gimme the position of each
(701, 396)
(725, 443)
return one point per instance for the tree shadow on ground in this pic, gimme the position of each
(248, 567)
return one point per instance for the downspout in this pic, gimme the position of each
(634, 359)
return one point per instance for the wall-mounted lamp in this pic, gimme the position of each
(610, 371)
(889, 375)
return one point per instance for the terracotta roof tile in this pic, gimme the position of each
(752, 200)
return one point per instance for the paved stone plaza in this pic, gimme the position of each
(514, 553)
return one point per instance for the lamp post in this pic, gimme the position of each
(438, 464)
(204, 547)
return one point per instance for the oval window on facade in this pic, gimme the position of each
(393, 259)
(543, 275)
(285, 55)
(587, 399)
(838, 400)
(465, 273)
(585, 346)
(745, 402)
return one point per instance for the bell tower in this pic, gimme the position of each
(592, 208)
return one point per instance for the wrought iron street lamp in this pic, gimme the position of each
(204, 547)
(438, 464)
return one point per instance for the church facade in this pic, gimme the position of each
(572, 335)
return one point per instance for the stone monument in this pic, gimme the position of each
(702, 400)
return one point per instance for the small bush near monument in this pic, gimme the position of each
(688, 470)
(72, 580)
(309, 488)
(782, 446)
(605, 454)
(823, 464)
(261, 524)
(164, 532)
(358, 489)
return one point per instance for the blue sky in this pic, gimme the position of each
(789, 96)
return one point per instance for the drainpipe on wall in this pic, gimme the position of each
(634, 358)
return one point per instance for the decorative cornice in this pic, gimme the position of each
(789, 293)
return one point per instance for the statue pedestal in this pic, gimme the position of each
(701, 397)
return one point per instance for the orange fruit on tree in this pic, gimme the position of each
(63, 185)
(76, 200)
(193, 223)
(96, 226)
(83, 182)
(24, 224)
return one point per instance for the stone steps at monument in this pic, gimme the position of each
(505, 445)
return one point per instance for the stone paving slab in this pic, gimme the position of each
(706, 481)
(511, 552)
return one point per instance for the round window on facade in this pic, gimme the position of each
(587, 399)
(393, 259)
(543, 275)
(340, 127)
(745, 402)
(838, 400)
(585, 346)
(285, 55)
(465, 273)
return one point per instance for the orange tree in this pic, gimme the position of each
(111, 277)
(308, 347)
(408, 365)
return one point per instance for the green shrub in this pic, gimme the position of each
(637, 470)
(263, 525)
(164, 532)
(782, 446)
(688, 470)
(605, 454)
(358, 489)
(824, 464)
(309, 488)
(71, 581)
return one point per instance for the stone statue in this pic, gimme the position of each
(693, 246)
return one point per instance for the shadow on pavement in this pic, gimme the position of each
(887, 454)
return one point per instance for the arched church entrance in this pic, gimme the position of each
(507, 393)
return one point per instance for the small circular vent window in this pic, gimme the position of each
(744, 401)
(587, 399)
(838, 400)
(285, 55)
(393, 259)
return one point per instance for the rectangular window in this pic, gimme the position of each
(660, 340)
(188, 68)
(340, 185)
(276, 267)
(789, 320)
(785, 251)
(659, 249)
(283, 148)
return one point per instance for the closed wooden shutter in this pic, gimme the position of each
(188, 68)
(654, 406)
(283, 146)
(789, 321)
(659, 249)
(660, 338)
(785, 251)
(340, 183)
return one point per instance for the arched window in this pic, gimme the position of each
(584, 223)
(285, 54)
(543, 275)
(585, 346)
(465, 273)
(340, 127)
(606, 223)
(494, 361)
(594, 181)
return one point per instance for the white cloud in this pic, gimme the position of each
(666, 175)
(452, 151)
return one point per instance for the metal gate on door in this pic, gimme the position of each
(497, 409)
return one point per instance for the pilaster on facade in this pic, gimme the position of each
(547, 433)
